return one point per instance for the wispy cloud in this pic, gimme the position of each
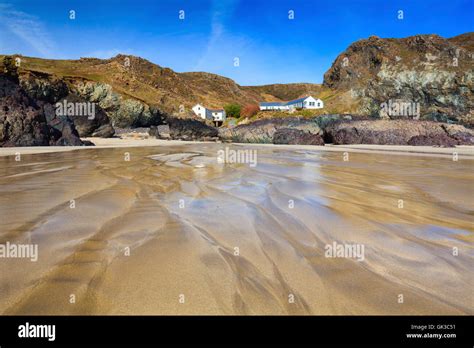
(28, 28)
(221, 11)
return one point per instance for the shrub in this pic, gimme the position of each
(306, 113)
(232, 110)
(249, 110)
(9, 67)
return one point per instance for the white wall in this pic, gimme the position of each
(280, 107)
(311, 103)
(218, 116)
(296, 106)
(319, 104)
(204, 113)
(308, 103)
(200, 111)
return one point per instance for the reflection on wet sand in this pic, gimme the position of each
(174, 232)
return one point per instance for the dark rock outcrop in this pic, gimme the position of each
(44, 87)
(152, 131)
(263, 131)
(50, 89)
(349, 129)
(441, 140)
(95, 125)
(296, 137)
(160, 132)
(27, 122)
(397, 132)
(435, 72)
(104, 131)
(62, 130)
(163, 131)
(124, 112)
(189, 129)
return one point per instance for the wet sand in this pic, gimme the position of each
(182, 215)
(143, 140)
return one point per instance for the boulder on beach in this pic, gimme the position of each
(441, 140)
(188, 129)
(160, 132)
(263, 131)
(397, 132)
(296, 137)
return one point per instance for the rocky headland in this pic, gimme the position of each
(435, 72)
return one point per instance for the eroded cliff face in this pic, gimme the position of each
(123, 111)
(25, 121)
(111, 107)
(435, 72)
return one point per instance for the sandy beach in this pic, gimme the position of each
(173, 231)
(462, 151)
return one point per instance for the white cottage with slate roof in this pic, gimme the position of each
(301, 103)
(216, 115)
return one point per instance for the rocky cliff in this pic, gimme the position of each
(51, 89)
(435, 72)
(27, 121)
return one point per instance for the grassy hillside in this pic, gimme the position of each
(137, 78)
(369, 72)
(289, 91)
(465, 41)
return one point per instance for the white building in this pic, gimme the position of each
(301, 103)
(216, 115)
(200, 111)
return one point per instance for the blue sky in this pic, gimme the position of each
(271, 48)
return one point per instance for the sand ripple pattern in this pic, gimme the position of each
(173, 223)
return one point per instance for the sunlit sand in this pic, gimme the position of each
(171, 231)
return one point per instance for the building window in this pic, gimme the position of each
(319, 103)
